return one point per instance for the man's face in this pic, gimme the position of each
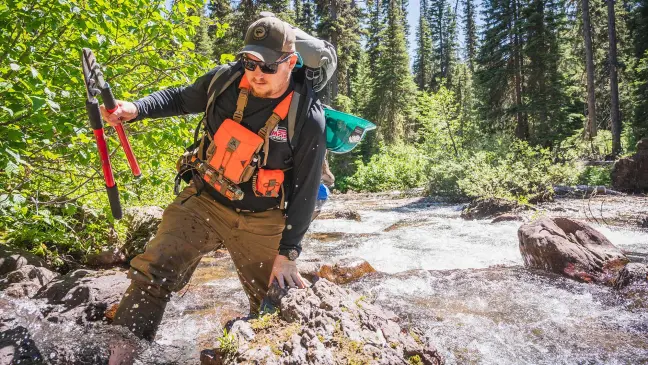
(270, 85)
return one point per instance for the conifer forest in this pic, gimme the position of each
(491, 98)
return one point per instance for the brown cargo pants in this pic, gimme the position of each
(187, 232)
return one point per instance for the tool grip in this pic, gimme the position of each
(132, 161)
(108, 99)
(105, 158)
(113, 198)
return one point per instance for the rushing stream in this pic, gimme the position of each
(462, 282)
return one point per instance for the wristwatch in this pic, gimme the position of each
(291, 254)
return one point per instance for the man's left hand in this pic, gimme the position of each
(284, 269)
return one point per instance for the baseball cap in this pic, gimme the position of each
(269, 38)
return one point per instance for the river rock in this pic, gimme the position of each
(489, 208)
(142, 225)
(12, 259)
(83, 295)
(630, 174)
(349, 214)
(570, 248)
(106, 258)
(26, 281)
(325, 324)
(342, 271)
(633, 274)
(507, 218)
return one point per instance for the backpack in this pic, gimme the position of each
(316, 65)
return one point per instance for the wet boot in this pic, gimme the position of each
(141, 312)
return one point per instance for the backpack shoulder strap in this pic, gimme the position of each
(303, 98)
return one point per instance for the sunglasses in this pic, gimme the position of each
(266, 68)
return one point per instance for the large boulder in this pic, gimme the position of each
(630, 174)
(489, 208)
(323, 324)
(570, 248)
(26, 281)
(12, 259)
(142, 225)
(83, 295)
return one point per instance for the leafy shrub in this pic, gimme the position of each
(395, 167)
(59, 233)
(596, 175)
(513, 171)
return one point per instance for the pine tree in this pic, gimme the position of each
(394, 91)
(339, 23)
(308, 18)
(202, 39)
(639, 26)
(443, 28)
(298, 8)
(615, 113)
(471, 34)
(544, 85)
(498, 78)
(423, 62)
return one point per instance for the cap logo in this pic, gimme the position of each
(260, 32)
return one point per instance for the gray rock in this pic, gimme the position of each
(318, 354)
(296, 352)
(633, 274)
(489, 208)
(107, 258)
(630, 174)
(325, 324)
(570, 248)
(242, 330)
(26, 281)
(142, 225)
(83, 295)
(12, 259)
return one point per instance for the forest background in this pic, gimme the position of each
(503, 98)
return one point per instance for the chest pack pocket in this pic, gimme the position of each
(236, 154)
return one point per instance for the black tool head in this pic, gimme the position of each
(91, 74)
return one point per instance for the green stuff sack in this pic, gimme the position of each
(344, 131)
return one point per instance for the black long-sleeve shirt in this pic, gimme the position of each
(305, 161)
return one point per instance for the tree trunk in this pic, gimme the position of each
(590, 129)
(614, 83)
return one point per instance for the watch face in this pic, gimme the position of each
(293, 254)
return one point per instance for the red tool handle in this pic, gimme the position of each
(111, 107)
(111, 187)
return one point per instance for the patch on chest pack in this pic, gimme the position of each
(279, 134)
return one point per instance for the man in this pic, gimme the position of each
(261, 236)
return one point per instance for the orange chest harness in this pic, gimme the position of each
(234, 155)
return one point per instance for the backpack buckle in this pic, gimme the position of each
(313, 74)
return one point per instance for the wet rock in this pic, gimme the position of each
(643, 222)
(26, 281)
(570, 248)
(142, 225)
(107, 258)
(84, 295)
(633, 274)
(507, 218)
(349, 214)
(12, 259)
(342, 271)
(630, 174)
(211, 357)
(326, 324)
(489, 208)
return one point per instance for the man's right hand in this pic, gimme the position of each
(125, 111)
